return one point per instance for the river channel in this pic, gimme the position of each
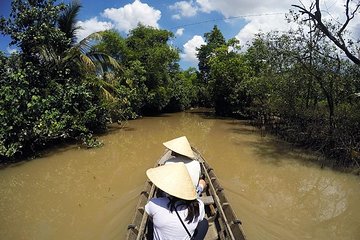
(90, 194)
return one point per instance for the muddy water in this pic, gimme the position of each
(73, 193)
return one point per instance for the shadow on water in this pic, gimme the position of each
(113, 128)
(159, 115)
(61, 146)
(207, 114)
(275, 151)
(49, 151)
(243, 130)
(128, 129)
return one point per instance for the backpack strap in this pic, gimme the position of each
(183, 224)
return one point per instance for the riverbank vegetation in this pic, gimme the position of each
(296, 84)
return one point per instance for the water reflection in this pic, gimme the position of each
(73, 193)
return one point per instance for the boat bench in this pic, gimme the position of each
(207, 200)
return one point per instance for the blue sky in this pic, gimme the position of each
(189, 19)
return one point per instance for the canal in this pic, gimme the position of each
(275, 189)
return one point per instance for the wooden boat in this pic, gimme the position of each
(223, 223)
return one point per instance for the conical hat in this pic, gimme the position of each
(192, 166)
(173, 179)
(181, 146)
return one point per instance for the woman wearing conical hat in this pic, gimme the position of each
(180, 215)
(182, 152)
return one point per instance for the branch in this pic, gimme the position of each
(348, 19)
(339, 42)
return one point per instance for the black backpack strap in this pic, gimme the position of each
(183, 224)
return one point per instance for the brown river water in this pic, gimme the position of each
(85, 194)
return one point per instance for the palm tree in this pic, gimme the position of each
(81, 54)
(82, 50)
(67, 20)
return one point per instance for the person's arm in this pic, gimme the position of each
(200, 187)
(201, 210)
(149, 208)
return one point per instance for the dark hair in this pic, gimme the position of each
(191, 205)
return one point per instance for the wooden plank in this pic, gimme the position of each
(207, 200)
(212, 233)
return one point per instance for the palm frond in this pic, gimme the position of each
(85, 44)
(106, 90)
(107, 95)
(105, 59)
(87, 61)
(67, 20)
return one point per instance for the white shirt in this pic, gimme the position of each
(167, 225)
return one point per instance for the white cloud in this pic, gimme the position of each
(185, 9)
(260, 24)
(90, 26)
(179, 32)
(355, 30)
(205, 5)
(130, 15)
(11, 50)
(260, 15)
(270, 15)
(233, 8)
(189, 52)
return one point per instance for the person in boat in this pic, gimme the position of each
(180, 215)
(181, 151)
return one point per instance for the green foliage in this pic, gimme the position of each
(112, 44)
(13, 100)
(56, 89)
(260, 84)
(294, 82)
(214, 40)
(348, 129)
(228, 72)
(43, 97)
(149, 46)
(33, 117)
(67, 20)
(32, 24)
(304, 90)
(150, 80)
(133, 90)
(183, 90)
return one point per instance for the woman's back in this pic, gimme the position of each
(167, 224)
